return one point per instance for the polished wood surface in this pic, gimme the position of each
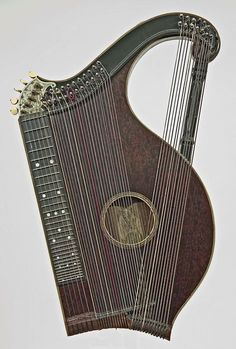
(141, 150)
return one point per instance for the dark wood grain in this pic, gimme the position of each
(141, 150)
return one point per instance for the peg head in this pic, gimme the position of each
(24, 82)
(18, 90)
(14, 101)
(33, 74)
(14, 111)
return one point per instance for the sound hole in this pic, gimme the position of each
(129, 219)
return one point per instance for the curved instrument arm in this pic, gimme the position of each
(146, 33)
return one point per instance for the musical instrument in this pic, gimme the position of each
(128, 222)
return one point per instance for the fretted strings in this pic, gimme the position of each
(86, 131)
(100, 154)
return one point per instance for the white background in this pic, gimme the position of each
(57, 39)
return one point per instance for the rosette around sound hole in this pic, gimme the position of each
(129, 219)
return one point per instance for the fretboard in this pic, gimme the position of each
(52, 198)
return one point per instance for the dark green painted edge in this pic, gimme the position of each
(138, 39)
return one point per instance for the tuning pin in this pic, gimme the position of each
(14, 111)
(14, 100)
(24, 82)
(33, 74)
(18, 90)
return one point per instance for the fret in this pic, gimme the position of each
(58, 191)
(38, 140)
(61, 227)
(61, 213)
(64, 220)
(50, 190)
(67, 271)
(43, 158)
(62, 241)
(66, 255)
(67, 279)
(58, 251)
(47, 180)
(64, 277)
(42, 153)
(65, 245)
(53, 203)
(36, 129)
(66, 260)
(47, 175)
(40, 149)
(49, 214)
(54, 182)
(62, 237)
(43, 167)
(56, 231)
(41, 140)
(35, 117)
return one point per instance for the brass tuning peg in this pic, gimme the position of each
(18, 90)
(14, 111)
(14, 100)
(33, 74)
(24, 82)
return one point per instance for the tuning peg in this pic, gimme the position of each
(24, 82)
(18, 90)
(14, 111)
(14, 100)
(33, 74)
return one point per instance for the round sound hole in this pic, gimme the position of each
(129, 219)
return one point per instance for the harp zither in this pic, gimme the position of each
(128, 222)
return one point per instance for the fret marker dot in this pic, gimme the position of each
(51, 161)
(63, 211)
(59, 230)
(54, 240)
(58, 257)
(58, 192)
(67, 265)
(75, 263)
(37, 164)
(55, 213)
(69, 237)
(48, 214)
(44, 196)
(72, 254)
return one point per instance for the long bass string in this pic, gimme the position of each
(173, 182)
(204, 60)
(141, 293)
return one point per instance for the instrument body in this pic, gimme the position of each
(95, 295)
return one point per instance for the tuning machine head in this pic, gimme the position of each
(31, 95)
